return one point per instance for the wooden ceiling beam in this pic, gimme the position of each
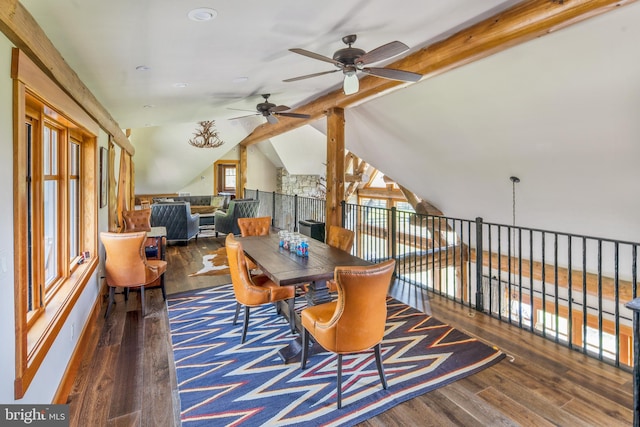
(24, 32)
(520, 23)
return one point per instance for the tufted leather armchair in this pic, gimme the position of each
(355, 322)
(126, 265)
(227, 222)
(258, 226)
(253, 291)
(181, 224)
(137, 220)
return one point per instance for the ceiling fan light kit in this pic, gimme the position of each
(350, 60)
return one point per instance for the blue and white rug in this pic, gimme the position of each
(222, 382)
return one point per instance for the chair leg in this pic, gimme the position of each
(383, 380)
(142, 300)
(235, 318)
(126, 294)
(339, 381)
(305, 348)
(245, 324)
(292, 314)
(112, 300)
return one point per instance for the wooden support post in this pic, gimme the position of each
(335, 166)
(242, 178)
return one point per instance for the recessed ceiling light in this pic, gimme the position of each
(180, 84)
(142, 68)
(202, 14)
(240, 79)
(147, 106)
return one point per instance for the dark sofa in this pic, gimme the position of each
(180, 223)
(227, 222)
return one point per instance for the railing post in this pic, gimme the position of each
(273, 209)
(634, 305)
(394, 231)
(343, 220)
(295, 212)
(479, 266)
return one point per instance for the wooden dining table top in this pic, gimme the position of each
(287, 268)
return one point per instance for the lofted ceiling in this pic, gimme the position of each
(226, 63)
(560, 111)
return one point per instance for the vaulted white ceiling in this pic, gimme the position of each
(559, 112)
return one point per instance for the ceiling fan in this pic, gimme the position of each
(350, 60)
(270, 111)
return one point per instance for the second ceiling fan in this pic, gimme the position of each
(350, 60)
(270, 110)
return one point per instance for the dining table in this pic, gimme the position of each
(286, 268)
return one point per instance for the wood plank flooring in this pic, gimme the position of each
(127, 377)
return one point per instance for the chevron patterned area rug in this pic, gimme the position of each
(222, 382)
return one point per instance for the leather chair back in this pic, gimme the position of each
(358, 322)
(259, 226)
(137, 220)
(125, 259)
(246, 292)
(340, 238)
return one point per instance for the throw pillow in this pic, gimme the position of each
(217, 201)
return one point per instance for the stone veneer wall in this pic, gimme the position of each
(302, 185)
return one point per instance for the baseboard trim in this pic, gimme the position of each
(79, 352)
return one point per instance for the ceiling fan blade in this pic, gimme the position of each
(316, 56)
(383, 52)
(272, 119)
(351, 84)
(242, 117)
(393, 74)
(295, 115)
(279, 108)
(309, 76)
(239, 109)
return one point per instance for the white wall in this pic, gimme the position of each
(7, 321)
(261, 173)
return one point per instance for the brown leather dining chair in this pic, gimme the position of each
(256, 226)
(127, 267)
(253, 291)
(355, 322)
(136, 220)
(140, 220)
(340, 238)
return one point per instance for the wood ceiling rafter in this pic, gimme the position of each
(520, 23)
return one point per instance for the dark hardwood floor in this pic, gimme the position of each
(127, 378)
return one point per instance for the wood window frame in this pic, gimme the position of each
(36, 95)
(218, 168)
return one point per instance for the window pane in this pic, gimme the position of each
(74, 222)
(74, 201)
(30, 290)
(50, 231)
(46, 151)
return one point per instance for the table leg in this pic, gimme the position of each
(317, 293)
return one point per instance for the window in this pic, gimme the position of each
(225, 173)
(55, 216)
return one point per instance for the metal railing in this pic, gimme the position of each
(568, 288)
